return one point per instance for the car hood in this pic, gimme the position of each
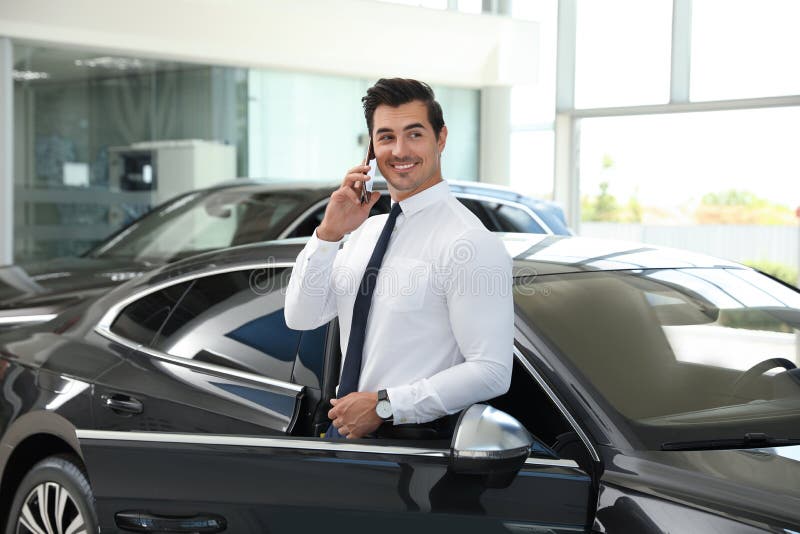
(759, 485)
(55, 283)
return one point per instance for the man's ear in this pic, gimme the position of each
(442, 139)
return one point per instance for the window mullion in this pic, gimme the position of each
(681, 58)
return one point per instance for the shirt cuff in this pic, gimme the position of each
(317, 246)
(402, 401)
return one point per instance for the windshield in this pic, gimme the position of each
(203, 221)
(680, 354)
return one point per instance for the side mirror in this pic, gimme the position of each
(489, 442)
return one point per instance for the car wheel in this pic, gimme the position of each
(54, 496)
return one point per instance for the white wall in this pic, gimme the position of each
(360, 38)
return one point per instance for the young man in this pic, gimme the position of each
(423, 294)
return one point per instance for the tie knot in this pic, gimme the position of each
(396, 210)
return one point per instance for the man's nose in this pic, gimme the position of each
(399, 147)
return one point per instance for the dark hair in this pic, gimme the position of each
(397, 91)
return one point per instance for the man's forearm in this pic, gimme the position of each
(450, 390)
(310, 302)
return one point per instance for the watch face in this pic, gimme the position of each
(384, 409)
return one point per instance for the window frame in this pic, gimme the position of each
(103, 328)
(467, 196)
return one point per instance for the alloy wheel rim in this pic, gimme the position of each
(50, 509)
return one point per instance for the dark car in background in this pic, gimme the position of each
(235, 213)
(653, 391)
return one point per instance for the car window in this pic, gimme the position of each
(202, 221)
(476, 208)
(234, 320)
(139, 321)
(307, 226)
(679, 353)
(517, 220)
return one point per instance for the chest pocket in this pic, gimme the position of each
(402, 284)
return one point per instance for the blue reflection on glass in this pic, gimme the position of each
(274, 401)
(270, 335)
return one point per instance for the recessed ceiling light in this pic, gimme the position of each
(28, 75)
(107, 62)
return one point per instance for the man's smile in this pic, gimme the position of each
(401, 167)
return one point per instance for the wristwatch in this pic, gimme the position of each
(384, 407)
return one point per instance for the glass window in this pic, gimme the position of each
(310, 223)
(622, 52)
(102, 138)
(140, 321)
(479, 210)
(722, 183)
(744, 49)
(470, 6)
(499, 217)
(516, 220)
(234, 320)
(207, 221)
(288, 139)
(434, 4)
(534, 104)
(532, 163)
(671, 354)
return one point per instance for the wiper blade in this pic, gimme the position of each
(753, 440)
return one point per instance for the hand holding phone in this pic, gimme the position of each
(366, 187)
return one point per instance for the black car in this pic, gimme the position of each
(235, 213)
(653, 391)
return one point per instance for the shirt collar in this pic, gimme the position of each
(423, 199)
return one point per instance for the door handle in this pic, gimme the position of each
(122, 403)
(142, 521)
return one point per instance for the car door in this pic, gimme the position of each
(293, 481)
(277, 484)
(208, 354)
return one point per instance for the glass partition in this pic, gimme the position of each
(101, 138)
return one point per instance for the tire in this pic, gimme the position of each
(54, 480)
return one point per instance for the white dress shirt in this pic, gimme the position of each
(440, 330)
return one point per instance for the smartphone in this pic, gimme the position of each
(366, 188)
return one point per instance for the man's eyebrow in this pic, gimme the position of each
(409, 127)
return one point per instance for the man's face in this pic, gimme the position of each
(406, 148)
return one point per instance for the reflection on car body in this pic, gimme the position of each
(183, 397)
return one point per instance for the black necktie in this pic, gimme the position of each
(358, 326)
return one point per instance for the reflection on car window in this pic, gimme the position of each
(140, 321)
(205, 221)
(499, 217)
(478, 210)
(668, 347)
(307, 226)
(517, 220)
(234, 320)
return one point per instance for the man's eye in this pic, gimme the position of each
(416, 134)
(384, 138)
